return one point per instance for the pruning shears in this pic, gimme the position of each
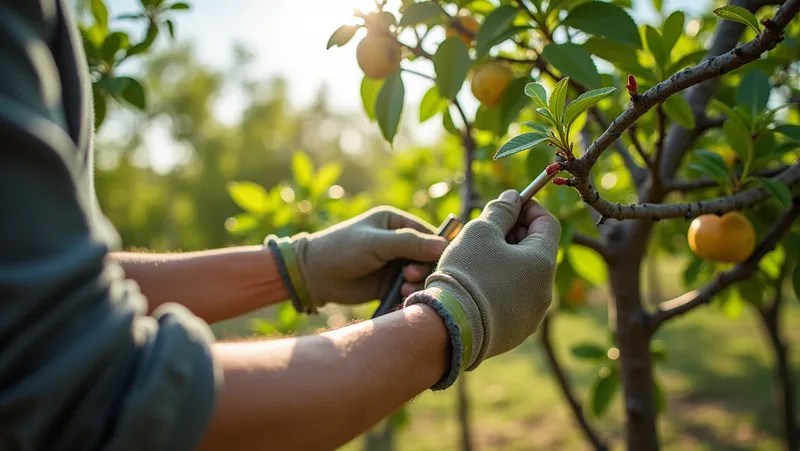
(449, 229)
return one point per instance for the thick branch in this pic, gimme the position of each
(710, 68)
(718, 206)
(687, 302)
(566, 390)
(591, 243)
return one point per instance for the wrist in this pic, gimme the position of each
(459, 329)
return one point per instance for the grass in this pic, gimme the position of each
(717, 380)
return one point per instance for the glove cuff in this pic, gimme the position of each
(289, 269)
(458, 328)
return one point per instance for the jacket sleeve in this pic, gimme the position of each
(81, 365)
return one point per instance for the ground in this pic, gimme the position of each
(717, 378)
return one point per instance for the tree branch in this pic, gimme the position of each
(687, 302)
(718, 206)
(566, 390)
(710, 68)
(592, 243)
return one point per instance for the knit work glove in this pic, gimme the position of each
(494, 283)
(355, 261)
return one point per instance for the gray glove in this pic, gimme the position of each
(494, 283)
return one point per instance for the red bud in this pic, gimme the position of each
(560, 181)
(632, 86)
(553, 168)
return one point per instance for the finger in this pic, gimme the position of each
(416, 272)
(399, 219)
(410, 288)
(409, 244)
(531, 211)
(545, 227)
(503, 212)
(520, 233)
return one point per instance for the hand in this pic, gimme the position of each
(357, 260)
(493, 285)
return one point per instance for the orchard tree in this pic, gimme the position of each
(703, 162)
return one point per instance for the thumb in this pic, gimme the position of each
(409, 244)
(503, 212)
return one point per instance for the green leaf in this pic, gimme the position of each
(537, 159)
(678, 109)
(487, 118)
(170, 28)
(737, 137)
(764, 144)
(693, 270)
(753, 91)
(509, 33)
(672, 30)
(420, 12)
(242, 224)
(606, 20)
(752, 290)
(152, 33)
(658, 394)
(389, 106)
(512, 103)
(287, 316)
(302, 169)
(327, 175)
(558, 99)
(519, 143)
(546, 113)
(400, 419)
(100, 13)
(738, 14)
(431, 105)
(99, 109)
(583, 103)
(730, 113)
(572, 60)
(113, 86)
(655, 44)
(603, 390)
(133, 93)
(621, 55)
(588, 264)
(451, 63)
(342, 36)
(588, 351)
(796, 281)
(777, 189)
(536, 126)
(369, 95)
(712, 165)
(449, 125)
(537, 93)
(658, 5)
(732, 305)
(658, 351)
(113, 43)
(178, 6)
(495, 24)
(250, 196)
(789, 130)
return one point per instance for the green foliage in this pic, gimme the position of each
(493, 27)
(738, 14)
(588, 351)
(606, 20)
(342, 36)
(389, 105)
(422, 12)
(370, 88)
(606, 385)
(778, 190)
(679, 111)
(451, 63)
(573, 61)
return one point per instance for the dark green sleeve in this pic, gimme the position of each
(81, 365)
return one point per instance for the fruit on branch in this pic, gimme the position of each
(467, 22)
(729, 238)
(378, 55)
(490, 82)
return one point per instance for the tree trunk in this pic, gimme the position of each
(633, 338)
(783, 385)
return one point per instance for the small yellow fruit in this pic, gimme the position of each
(729, 238)
(378, 55)
(467, 22)
(490, 82)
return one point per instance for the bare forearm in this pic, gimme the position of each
(214, 285)
(320, 392)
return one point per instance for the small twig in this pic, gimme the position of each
(689, 301)
(566, 389)
(419, 74)
(592, 243)
(718, 206)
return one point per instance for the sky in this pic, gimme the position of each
(288, 38)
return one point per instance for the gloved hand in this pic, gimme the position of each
(494, 283)
(357, 260)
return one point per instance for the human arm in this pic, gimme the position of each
(319, 392)
(214, 285)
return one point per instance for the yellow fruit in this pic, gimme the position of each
(729, 238)
(378, 55)
(576, 294)
(490, 82)
(467, 22)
